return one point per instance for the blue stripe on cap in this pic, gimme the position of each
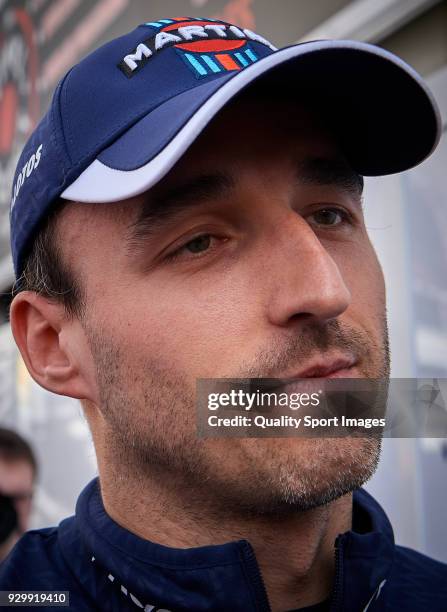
(249, 53)
(241, 59)
(153, 24)
(166, 21)
(196, 64)
(208, 60)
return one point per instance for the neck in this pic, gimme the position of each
(294, 550)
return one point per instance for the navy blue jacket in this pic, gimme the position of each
(105, 567)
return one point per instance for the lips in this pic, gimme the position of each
(324, 367)
(335, 367)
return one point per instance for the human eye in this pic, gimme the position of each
(330, 216)
(196, 247)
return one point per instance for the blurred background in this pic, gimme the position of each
(405, 215)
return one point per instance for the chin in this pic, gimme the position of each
(300, 474)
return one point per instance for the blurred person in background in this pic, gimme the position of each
(18, 470)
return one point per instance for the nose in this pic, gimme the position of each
(308, 284)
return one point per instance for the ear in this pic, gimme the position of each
(52, 345)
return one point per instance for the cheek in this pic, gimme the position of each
(363, 276)
(193, 325)
(372, 288)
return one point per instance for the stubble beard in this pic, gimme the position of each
(150, 432)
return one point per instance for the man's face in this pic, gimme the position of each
(250, 258)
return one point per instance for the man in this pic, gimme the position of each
(17, 475)
(189, 208)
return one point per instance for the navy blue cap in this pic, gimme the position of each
(121, 118)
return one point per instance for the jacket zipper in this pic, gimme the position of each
(337, 591)
(262, 602)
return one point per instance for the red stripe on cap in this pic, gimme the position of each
(205, 46)
(227, 61)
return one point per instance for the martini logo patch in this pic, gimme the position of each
(206, 46)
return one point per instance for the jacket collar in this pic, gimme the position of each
(365, 557)
(111, 564)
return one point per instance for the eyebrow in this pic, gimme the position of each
(331, 172)
(161, 208)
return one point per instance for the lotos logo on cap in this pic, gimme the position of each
(30, 165)
(211, 39)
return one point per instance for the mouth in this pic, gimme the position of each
(331, 367)
(338, 369)
(322, 368)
